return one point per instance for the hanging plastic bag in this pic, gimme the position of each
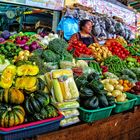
(69, 26)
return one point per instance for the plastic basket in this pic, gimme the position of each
(124, 106)
(138, 99)
(94, 115)
(30, 129)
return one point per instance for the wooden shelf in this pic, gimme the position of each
(125, 126)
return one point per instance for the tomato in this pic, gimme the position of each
(75, 42)
(84, 51)
(127, 52)
(77, 47)
(123, 55)
(113, 44)
(83, 46)
(70, 48)
(80, 50)
(76, 53)
(79, 44)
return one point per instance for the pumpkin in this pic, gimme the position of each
(7, 76)
(27, 69)
(35, 101)
(12, 96)
(11, 115)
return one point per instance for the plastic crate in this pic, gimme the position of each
(124, 106)
(94, 115)
(138, 99)
(30, 129)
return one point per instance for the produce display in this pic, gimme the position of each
(100, 52)
(43, 76)
(115, 64)
(79, 49)
(114, 89)
(92, 93)
(117, 49)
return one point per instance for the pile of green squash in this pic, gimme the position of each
(92, 93)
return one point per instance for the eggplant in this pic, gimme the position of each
(103, 101)
(93, 76)
(86, 93)
(91, 103)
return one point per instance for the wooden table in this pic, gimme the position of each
(125, 126)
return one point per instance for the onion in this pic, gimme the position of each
(26, 47)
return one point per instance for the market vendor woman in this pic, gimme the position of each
(84, 34)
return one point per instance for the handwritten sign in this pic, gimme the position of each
(49, 4)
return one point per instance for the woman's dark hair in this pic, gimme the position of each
(83, 23)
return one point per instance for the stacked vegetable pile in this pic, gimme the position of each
(117, 49)
(23, 95)
(114, 89)
(92, 93)
(79, 49)
(100, 52)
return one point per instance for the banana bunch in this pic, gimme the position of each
(100, 52)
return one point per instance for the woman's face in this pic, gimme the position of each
(88, 27)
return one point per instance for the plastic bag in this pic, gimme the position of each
(69, 26)
(96, 29)
(67, 105)
(51, 66)
(63, 86)
(70, 113)
(66, 64)
(69, 121)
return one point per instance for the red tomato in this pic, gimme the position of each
(79, 44)
(113, 44)
(84, 46)
(77, 47)
(80, 50)
(70, 48)
(127, 52)
(75, 42)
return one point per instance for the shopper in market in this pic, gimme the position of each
(84, 34)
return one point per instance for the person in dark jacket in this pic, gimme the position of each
(84, 34)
